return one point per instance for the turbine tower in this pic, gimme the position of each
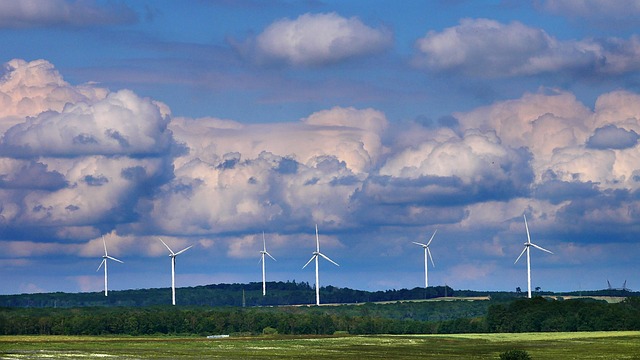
(106, 257)
(173, 255)
(262, 254)
(527, 245)
(427, 254)
(315, 256)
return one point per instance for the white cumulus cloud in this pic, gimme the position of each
(351, 135)
(488, 48)
(121, 123)
(317, 39)
(568, 141)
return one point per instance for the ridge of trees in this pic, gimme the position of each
(521, 315)
(278, 293)
(540, 314)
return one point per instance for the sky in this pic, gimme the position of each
(209, 122)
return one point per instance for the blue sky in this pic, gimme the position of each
(206, 123)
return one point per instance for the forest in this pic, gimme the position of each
(425, 317)
(278, 293)
(539, 314)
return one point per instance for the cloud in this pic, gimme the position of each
(349, 134)
(612, 137)
(30, 88)
(63, 13)
(599, 11)
(568, 141)
(121, 123)
(125, 181)
(253, 194)
(318, 39)
(488, 48)
(17, 174)
(74, 157)
(85, 161)
(44, 115)
(234, 176)
(467, 158)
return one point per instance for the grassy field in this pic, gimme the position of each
(587, 345)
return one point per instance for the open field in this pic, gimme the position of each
(581, 345)
(609, 299)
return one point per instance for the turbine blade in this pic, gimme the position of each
(264, 243)
(430, 257)
(114, 259)
(101, 263)
(527, 227)
(183, 250)
(167, 246)
(421, 244)
(540, 248)
(274, 259)
(309, 262)
(523, 250)
(105, 245)
(327, 258)
(432, 236)
(317, 240)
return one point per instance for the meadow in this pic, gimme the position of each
(575, 345)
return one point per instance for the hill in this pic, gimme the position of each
(249, 295)
(278, 294)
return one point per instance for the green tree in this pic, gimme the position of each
(269, 331)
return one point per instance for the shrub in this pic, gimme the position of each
(515, 355)
(269, 331)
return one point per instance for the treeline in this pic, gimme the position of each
(199, 321)
(523, 315)
(278, 293)
(539, 314)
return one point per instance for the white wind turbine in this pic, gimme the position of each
(315, 256)
(427, 253)
(527, 245)
(106, 257)
(262, 254)
(173, 255)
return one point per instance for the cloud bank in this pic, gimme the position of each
(82, 161)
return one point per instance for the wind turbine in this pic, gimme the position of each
(527, 245)
(315, 256)
(173, 255)
(106, 257)
(262, 254)
(427, 253)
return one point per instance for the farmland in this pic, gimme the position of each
(575, 345)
